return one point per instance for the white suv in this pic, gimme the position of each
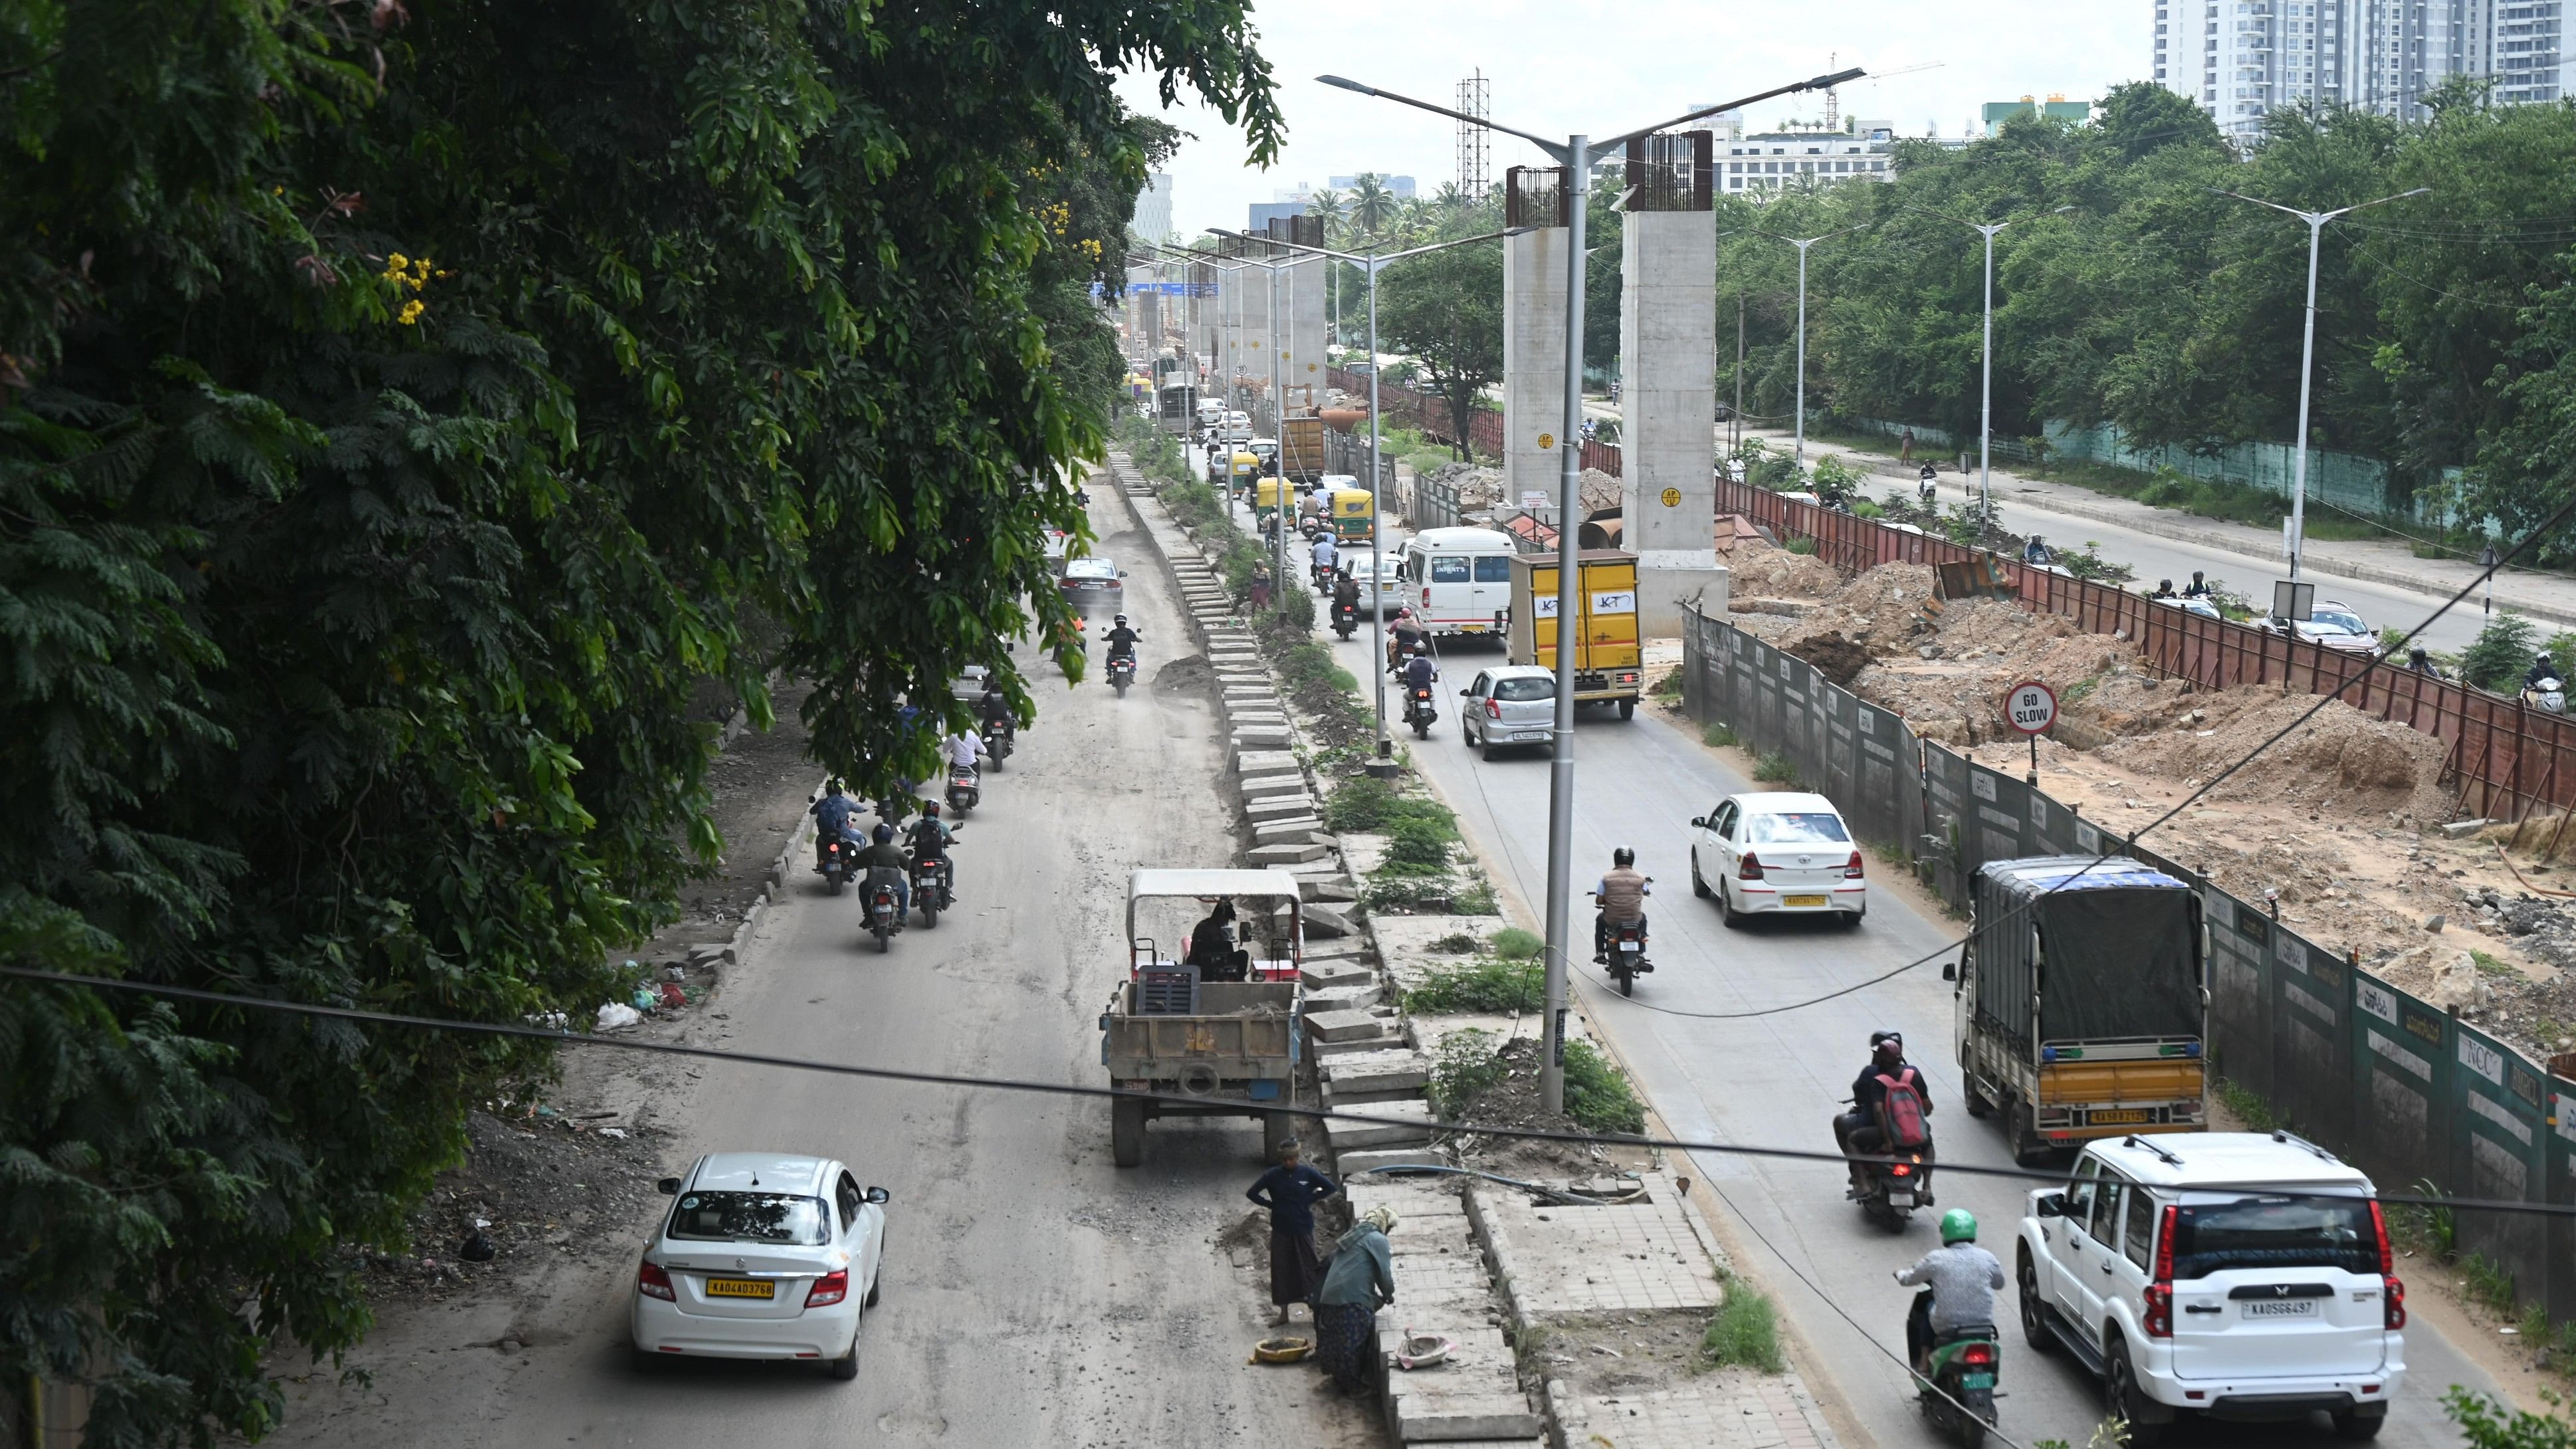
(2239, 1275)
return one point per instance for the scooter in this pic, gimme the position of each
(926, 892)
(885, 913)
(1624, 956)
(2549, 696)
(965, 788)
(1322, 575)
(1889, 1191)
(1956, 1390)
(1122, 673)
(1923, 489)
(1346, 618)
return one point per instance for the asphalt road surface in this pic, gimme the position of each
(1034, 1294)
(1779, 1079)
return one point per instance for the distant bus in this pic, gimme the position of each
(1178, 407)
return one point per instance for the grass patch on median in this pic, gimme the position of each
(1484, 986)
(1514, 944)
(1746, 1331)
(1721, 735)
(1597, 1094)
(1465, 1067)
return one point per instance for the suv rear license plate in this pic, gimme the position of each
(2281, 1308)
(1802, 900)
(743, 1288)
(2125, 1114)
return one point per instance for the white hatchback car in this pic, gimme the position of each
(1781, 852)
(765, 1256)
(2237, 1275)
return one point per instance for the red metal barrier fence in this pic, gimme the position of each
(1428, 414)
(2509, 761)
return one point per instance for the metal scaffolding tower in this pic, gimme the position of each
(1475, 142)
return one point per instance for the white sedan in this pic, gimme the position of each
(765, 1256)
(1785, 852)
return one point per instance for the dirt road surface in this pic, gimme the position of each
(1033, 1293)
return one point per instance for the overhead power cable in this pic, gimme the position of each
(1030, 1086)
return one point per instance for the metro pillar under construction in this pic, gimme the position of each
(1668, 377)
(1534, 264)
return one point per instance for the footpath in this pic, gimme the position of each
(2548, 596)
(1572, 1311)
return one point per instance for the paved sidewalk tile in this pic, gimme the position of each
(1728, 1409)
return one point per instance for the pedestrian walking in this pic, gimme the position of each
(1291, 1191)
(1905, 447)
(1260, 587)
(1359, 1281)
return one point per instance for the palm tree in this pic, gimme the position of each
(1326, 207)
(1373, 207)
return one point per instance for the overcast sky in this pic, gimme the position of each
(1609, 68)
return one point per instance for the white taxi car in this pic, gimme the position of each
(2232, 1275)
(765, 1255)
(1783, 852)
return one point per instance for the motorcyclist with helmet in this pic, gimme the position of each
(1405, 635)
(1122, 639)
(1346, 591)
(993, 709)
(884, 855)
(1964, 1279)
(1858, 1130)
(1623, 895)
(930, 837)
(1325, 554)
(2542, 668)
(832, 815)
(1419, 673)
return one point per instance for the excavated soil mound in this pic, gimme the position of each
(1882, 609)
(2342, 757)
(1838, 658)
(1762, 572)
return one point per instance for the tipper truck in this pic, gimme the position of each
(1607, 664)
(2081, 1003)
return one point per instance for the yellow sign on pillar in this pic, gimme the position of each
(1672, 498)
(1546, 440)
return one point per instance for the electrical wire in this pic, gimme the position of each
(561, 1037)
(2394, 649)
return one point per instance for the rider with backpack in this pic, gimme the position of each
(1891, 1105)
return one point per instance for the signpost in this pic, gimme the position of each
(2031, 707)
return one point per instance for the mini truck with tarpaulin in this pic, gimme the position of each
(2081, 1003)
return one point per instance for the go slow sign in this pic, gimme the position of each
(2031, 707)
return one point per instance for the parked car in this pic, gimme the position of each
(764, 1255)
(2235, 1275)
(2334, 625)
(1781, 852)
(1093, 584)
(1509, 704)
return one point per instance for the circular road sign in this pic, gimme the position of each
(1547, 440)
(1672, 498)
(2031, 707)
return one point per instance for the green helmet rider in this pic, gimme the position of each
(1958, 1225)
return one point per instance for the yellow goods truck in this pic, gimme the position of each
(2080, 1002)
(1301, 449)
(1606, 661)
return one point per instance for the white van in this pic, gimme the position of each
(1459, 580)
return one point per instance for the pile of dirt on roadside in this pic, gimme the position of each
(1881, 610)
(1477, 487)
(2342, 759)
(1514, 1102)
(1759, 571)
(1597, 490)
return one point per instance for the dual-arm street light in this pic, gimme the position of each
(1575, 154)
(2316, 221)
(1799, 453)
(1371, 263)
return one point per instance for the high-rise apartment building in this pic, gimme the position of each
(1153, 219)
(2241, 58)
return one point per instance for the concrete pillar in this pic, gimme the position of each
(1668, 385)
(1534, 352)
(1301, 295)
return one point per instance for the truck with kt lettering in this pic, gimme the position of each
(1607, 661)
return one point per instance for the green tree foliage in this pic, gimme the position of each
(1445, 310)
(406, 412)
(2155, 305)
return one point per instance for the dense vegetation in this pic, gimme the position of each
(410, 414)
(2172, 312)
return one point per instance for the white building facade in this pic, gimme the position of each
(1153, 219)
(2241, 58)
(1818, 158)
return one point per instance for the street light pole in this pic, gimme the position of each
(1986, 390)
(1575, 154)
(2316, 221)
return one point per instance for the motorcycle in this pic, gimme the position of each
(1122, 673)
(1889, 1191)
(998, 739)
(1322, 574)
(1624, 956)
(2549, 696)
(1956, 1390)
(833, 861)
(1923, 489)
(1346, 617)
(926, 889)
(965, 788)
(885, 913)
(1419, 711)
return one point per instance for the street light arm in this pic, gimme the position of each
(2276, 206)
(2383, 201)
(1813, 83)
(1552, 148)
(1373, 260)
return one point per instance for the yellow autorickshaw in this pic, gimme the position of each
(1270, 494)
(1354, 515)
